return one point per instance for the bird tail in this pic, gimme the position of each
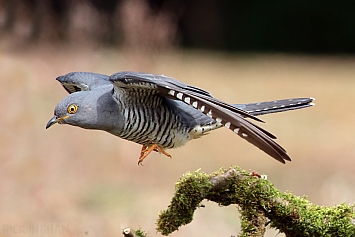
(256, 109)
(275, 106)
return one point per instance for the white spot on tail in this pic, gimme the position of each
(236, 130)
(171, 92)
(187, 100)
(194, 104)
(209, 114)
(227, 125)
(218, 120)
(202, 108)
(179, 95)
(244, 134)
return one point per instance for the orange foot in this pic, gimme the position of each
(146, 150)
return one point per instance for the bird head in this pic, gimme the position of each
(77, 109)
(88, 109)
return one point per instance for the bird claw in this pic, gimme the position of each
(146, 150)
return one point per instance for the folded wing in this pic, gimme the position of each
(230, 116)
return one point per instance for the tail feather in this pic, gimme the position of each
(256, 109)
(275, 106)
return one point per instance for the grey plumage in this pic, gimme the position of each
(153, 109)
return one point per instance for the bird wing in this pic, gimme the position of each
(83, 81)
(228, 115)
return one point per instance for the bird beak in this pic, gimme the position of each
(55, 120)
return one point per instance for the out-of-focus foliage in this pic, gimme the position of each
(242, 25)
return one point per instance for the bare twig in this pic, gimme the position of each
(128, 232)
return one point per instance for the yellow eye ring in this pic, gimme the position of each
(72, 108)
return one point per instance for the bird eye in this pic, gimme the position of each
(72, 109)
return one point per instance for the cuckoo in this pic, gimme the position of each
(160, 112)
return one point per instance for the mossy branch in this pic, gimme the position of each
(260, 204)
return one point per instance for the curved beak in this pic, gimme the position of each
(55, 120)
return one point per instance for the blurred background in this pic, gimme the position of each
(68, 181)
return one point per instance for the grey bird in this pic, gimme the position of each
(160, 112)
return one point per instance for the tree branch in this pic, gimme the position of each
(260, 204)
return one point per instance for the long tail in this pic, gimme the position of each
(258, 109)
(275, 106)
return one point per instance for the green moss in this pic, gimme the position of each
(259, 203)
(140, 233)
(189, 192)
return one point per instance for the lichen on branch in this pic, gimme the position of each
(260, 204)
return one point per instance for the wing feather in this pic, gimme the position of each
(143, 81)
(83, 81)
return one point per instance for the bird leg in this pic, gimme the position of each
(146, 150)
